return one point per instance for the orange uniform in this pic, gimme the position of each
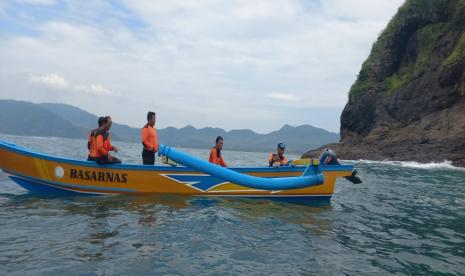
(103, 145)
(282, 159)
(92, 143)
(215, 159)
(149, 138)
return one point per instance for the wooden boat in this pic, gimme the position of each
(43, 173)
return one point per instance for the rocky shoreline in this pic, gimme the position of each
(422, 153)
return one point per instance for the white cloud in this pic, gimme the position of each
(201, 58)
(378, 10)
(52, 80)
(94, 89)
(58, 82)
(37, 2)
(284, 97)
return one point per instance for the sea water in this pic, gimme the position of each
(406, 218)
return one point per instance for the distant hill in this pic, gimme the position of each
(24, 118)
(296, 138)
(61, 120)
(88, 120)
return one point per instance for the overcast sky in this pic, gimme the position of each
(232, 64)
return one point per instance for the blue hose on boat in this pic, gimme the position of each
(262, 183)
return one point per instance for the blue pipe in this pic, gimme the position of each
(262, 183)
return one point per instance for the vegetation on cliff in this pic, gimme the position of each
(429, 21)
(408, 100)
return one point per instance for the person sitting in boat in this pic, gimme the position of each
(91, 141)
(103, 144)
(149, 139)
(215, 154)
(278, 159)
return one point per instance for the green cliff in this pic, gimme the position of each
(408, 102)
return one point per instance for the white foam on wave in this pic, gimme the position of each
(446, 164)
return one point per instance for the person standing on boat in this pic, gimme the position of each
(91, 143)
(278, 159)
(215, 154)
(103, 144)
(149, 139)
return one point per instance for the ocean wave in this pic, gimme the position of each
(445, 165)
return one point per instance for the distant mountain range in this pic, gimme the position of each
(61, 120)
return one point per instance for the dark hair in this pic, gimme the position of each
(149, 115)
(100, 121)
(281, 146)
(218, 139)
(106, 119)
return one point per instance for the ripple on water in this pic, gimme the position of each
(402, 219)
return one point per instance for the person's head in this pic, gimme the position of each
(281, 147)
(100, 121)
(219, 142)
(106, 123)
(151, 118)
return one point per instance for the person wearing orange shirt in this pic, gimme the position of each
(149, 139)
(103, 144)
(91, 146)
(278, 159)
(215, 154)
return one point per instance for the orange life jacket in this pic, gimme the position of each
(149, 138)
(92, 143)
(103, 144)
(282, 159)
(216, 158)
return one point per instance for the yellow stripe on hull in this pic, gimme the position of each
(87, 177)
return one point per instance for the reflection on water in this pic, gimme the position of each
(402, 220)
(308, 215)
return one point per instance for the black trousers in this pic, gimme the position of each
(148, 157)
(104, 160)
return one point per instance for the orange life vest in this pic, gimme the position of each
(282, 159)
(92, 143)
(216, 158)
(103, 144)
(149, 138)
